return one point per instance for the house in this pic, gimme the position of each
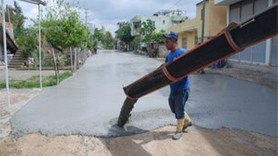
(191, 32)
(162, 20)
(266, 52)
(11, 45)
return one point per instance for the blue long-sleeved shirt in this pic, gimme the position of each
(183, 83)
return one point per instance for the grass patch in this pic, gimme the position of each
(34, 81)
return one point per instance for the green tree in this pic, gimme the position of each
(158, 37)
(63, 30)
(109, 42)
(62, 27)
(24, 37)
(135, 42)
(147, 30)
(99, 35)
(15, 15)
(27, 40)
(124, 33)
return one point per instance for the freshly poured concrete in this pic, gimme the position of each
(89, 102)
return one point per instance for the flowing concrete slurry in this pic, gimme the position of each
(89, 102)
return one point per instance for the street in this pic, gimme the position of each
(89, 102)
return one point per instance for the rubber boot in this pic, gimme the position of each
(178, 133)
(187, 122)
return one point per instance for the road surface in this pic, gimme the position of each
(89, 102)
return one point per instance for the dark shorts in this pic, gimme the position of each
(177, 102)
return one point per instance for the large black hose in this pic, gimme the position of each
(229, 41)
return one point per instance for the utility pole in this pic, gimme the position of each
(203, 21)
(203, 26)
(86, 16)
(5, 52)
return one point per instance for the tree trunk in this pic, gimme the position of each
(75, 59)
(55, 66)
(77, 56)
(71, 60)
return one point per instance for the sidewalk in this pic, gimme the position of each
(25, 74)
(260, 74)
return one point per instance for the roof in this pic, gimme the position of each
(200, 2)
(35, 2)
(11, 45)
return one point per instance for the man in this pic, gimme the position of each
(180, 89)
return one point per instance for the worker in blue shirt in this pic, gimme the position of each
(180, 89)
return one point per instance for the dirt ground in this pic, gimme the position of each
(197, 141)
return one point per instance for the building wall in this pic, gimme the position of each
(161, 23)
(199, 20)
(187, 40)
(215, 21)
(217, 18)
(188, 25)
(186, 31)
(257, 54)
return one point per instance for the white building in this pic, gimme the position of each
(162, 20)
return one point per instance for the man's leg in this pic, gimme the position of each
(178, 133)
(171, 101)
(187, 122)
(179, 112)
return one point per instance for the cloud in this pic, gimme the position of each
(126, 9)
(108, 13)
(29, 10)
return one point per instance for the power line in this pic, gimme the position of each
(174, 4)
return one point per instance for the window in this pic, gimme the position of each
(196, 40)
(184, 43)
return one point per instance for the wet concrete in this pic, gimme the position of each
(89, 102)
(220, 101)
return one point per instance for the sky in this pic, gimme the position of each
(108, 13)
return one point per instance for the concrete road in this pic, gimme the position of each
(89, 102)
